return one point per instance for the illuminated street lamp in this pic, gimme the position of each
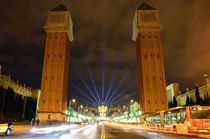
(81, 106)
(71, 101)
(132, 101)
(124, 107)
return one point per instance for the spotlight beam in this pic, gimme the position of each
(122, 81)
(81, 92)
(114, 74)
(123, 91)
(134, 93)
(102, 86)
(83, 81)
(89, 72)
(86, 101)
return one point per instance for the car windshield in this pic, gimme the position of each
(200, 113)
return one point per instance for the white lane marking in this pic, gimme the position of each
(103, 133)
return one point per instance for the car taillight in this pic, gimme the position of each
(188, 123)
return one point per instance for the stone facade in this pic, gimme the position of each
(54, 87)
(181, 99)
(21, 89)
(173, 90)
(151, 72)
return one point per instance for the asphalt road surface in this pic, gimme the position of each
(97, 132)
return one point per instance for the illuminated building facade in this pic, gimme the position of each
(21, 89)
(54, 87)
(151, 73)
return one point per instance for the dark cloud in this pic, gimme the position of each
(104, 28)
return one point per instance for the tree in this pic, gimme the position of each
(174, 102)
(207, 99)
(190, 102)
(187, 101)
(197, 96)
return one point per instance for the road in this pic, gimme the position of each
(98, 132)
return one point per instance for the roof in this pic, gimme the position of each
(61, 7)
(145, 6)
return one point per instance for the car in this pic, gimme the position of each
(6, 128)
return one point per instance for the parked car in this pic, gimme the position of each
(6, 128)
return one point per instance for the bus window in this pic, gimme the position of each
(167, 118)
(200, 113)
(174, 117)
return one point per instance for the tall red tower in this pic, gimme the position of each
(151, 73)
(54, 87)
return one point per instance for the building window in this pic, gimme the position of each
(50, 37)
(145, 56)
(46, 78)
(156, 37)
(151, 55)
(60, 56)
(56, 37)
(149, 36)
(48, 56)
(143, 36)
(162, 101)
(153, 77)
(52, 78)
(57, 101)
(62, 37)
(44, 101)
(158, 56)
(160, 78)
(148, 101)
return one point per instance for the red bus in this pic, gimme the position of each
(182, 119)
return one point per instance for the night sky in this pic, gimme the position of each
(103, 31)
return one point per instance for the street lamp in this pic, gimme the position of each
(71, 101)
(131, 100)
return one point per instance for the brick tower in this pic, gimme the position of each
(54, 87)
(151, 73)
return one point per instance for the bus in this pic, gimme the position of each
(182, 119)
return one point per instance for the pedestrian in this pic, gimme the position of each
(32, 122)
(37, 123)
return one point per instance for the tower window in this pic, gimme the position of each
(48, 56)
(151, 55)
(52, 78)
(44, 101)
(145, 56)
(160, 78)
(153, 78)
(143, 36)
(60, 56)
(46, 78)
(162, 101)
(148, 101)
(56, 37)
(57, 101)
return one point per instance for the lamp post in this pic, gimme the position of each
(71, 101)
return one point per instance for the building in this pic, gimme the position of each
(151, 72)
(172, 90)
(54, 87)
(21, 89)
